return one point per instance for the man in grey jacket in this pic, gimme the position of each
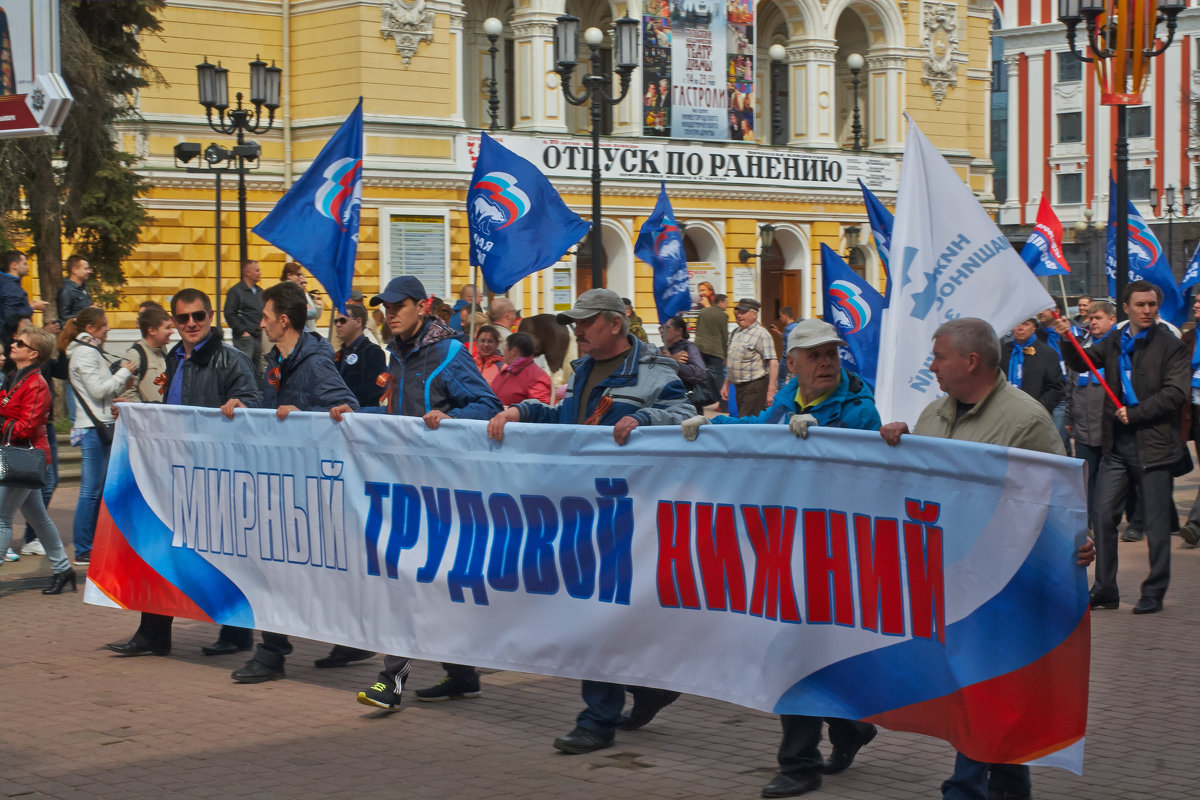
(1085, 404)
(243, 312)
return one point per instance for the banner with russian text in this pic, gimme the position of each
(929, 587)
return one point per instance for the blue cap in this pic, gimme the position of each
(400, 288)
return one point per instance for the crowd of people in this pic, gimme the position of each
(413, 355)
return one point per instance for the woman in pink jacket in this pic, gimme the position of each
(519, 378)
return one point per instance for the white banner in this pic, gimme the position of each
(950, 261)
(751, 566)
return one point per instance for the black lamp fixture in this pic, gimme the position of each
(855, 62)
(212, 81)
(492, 28)
(597, 89)
(1167, 206)
(766, 235)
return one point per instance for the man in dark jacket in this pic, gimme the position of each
(432, 375)
(201, 371)
(1150, 371)
(300, 376)
(15, 307)
(1033, 365)
(360, 361)
(243, 312)
(1086, 401)
(73, 295)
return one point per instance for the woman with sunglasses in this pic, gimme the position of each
(24, 409)
(96, 379)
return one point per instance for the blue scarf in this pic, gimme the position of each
(1128, 342)
(1086, 378)
(1196, 363)
(1016, 361)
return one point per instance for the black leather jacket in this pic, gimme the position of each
(215, 373)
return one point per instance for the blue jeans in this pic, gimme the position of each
(1059, 415)
(971, 779)
(29, 503)
(91, 487)
(69, 397)
(51, 476)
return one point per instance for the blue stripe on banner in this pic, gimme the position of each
(921, 669)
(150, 538)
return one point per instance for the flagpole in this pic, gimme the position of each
(1092, 367)
(475, 283)
(1062, 288)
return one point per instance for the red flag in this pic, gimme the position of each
(1043, 251)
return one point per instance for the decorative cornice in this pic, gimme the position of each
(532, 29)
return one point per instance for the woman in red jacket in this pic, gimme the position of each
(24, 409)
(520, 378)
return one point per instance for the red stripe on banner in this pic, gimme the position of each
(974, 718)
(119, 572)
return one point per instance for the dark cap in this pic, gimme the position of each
(591, 303)
(356, 294)
(746, 304)
(398, 289)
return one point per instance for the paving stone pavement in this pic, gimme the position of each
(81, 722)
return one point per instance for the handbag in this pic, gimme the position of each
(103, 429)
(23, 467)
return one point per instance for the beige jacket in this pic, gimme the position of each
(1007, 416)
(147, 389)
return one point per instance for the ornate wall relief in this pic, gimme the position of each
(409, 22)
(939, 39)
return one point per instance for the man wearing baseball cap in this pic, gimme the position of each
(751, 369)
(431, 375)
(819, 392)
(619, 382)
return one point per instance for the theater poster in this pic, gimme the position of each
(698, 69)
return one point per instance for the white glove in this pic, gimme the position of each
(691, 426)
(799, 423)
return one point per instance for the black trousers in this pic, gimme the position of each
(273, 649)
(155, 631)
(1121, 470)
(798, 752)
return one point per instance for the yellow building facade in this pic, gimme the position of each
(422, 68)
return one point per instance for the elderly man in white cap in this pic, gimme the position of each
(819, 392)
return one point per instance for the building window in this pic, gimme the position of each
(1070, 68)
(1070, 127)
(1139, 185)
(1138, 121)
(1070, 188)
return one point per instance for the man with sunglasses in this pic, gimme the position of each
(201, 371)
(360, 361)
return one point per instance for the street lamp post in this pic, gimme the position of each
(1120, 35)
(779, 127)
(855, 62)
(766, 234)
(492, 28)
(1167, 207)
(213, 83)
(597, 90)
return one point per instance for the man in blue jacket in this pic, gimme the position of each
(432, 375)
(301, 376)
(622, 382)
(819, 392)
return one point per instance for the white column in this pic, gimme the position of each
(540, 104)
(814, 114)
(885, 98)
(1010, 211)
(458, 16)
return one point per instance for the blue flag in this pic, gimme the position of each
(518, 223)
(881, 229)
(316, 222)
(855, 309)
(660, 244)
(1043, 250)
(1192, 276)
(1147, 262)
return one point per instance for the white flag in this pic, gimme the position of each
(950, 261)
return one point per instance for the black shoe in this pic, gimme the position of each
(1000, 794)
(256, 672)
(784, 785)
(1132, 535)
(644, 709)
(380, 695)
(1096, 601)
(59, 582)
(581, 740)
(220, 648)
(1147, 605)
(1190, 533)
(450, 689)
(341, 656)
(840, 760)
(134, 647)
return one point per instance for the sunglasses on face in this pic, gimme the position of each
(341, 321)
(195, 316)
(19, 343)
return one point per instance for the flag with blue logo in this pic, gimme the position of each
(316, 222)
(1192, 276)
(660, 244)
(855, 308)
(518, 222)
(881, 229)
(1147, 261)
(1043, 250)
